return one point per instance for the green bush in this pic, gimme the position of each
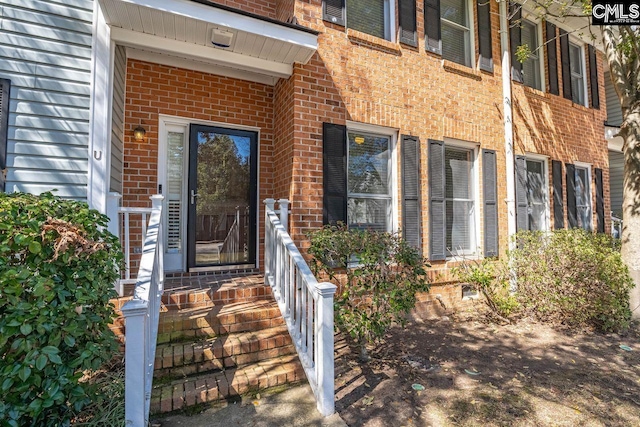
(573, 277)
(490, 278)
(58, 265)
(383, 274)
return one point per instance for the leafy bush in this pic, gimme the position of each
(574, 277)
(492, 280)
(57, 268)
(383, 274)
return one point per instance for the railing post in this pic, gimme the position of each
(325, 371)
(268, 239)
(284, 213)
(156, 203)
(135, 314)
(113, 203)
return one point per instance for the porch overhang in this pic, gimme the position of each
(179, 33)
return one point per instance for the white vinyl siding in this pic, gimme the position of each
(117, 119)
(45, 50)
(616, 172)
(614, 112)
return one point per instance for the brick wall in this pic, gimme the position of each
(259, 7)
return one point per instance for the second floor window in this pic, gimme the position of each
(577, 73)
(370, 17)
(456, 31)
(531, 67)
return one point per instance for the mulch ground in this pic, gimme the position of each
(467, 371)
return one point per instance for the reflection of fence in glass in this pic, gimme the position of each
(229, 229)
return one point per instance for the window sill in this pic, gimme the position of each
(367, 40)
(462, 70)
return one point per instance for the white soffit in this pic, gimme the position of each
(182, 29)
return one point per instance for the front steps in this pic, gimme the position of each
(219, 339)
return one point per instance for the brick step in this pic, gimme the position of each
(222, 352)
(209, 322)
(244, 289)
(226, 385)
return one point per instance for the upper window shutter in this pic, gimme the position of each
(552, 58)
(5, 89)
(515, 39)
(411, 210)
(408, 24)
(599, 200)
(333, 11)
(437, 206)
(593, 78)
(334, 156)
(522, 208)
(490, 192)
(558, 200)
(484, 35)
(572, 209)
(566, 64)
(433, 39)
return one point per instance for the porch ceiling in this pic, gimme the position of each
(183, 29)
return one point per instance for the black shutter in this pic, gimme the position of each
(411, 210)
(599, 200)
(593, 77)
(333, 11)
(552, 58)
(432, 35)
(490, 192)
(522, 208)
(334, 156)
(437, 207)
(407, 20)
(566, 64)
(5, 89)
(558, 200)
(515, 40)
(484, 35)
(572, 210)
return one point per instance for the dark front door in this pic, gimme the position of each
(222, 196)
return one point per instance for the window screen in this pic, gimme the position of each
(577, 73)
(456, 34)
(369, 196)
(531, 67)
(536, 195)
(460, 204)
(367, 16)
(583, 198)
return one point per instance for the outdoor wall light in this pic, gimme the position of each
(139, 134)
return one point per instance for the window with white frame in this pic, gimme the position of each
(456, 31)
(583, 197)
(370, 17)
(531, 67)
(537, 199)
(369, 196)
(460, 200)
(576, 58)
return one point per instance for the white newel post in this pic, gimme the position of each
(284, 213)
(324, 349)
(113, 204)
(135, 314)
(156, 203)
(268, 243)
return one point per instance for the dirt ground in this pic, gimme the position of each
(478, 373)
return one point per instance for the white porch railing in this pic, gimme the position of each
(305, 304)
(141, 322)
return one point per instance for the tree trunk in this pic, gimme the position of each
(630, 131)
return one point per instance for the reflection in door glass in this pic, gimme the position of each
(223, 201)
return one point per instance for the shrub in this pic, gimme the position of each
(573, 277)
(490, 278)
(58, 265)
(383, 274)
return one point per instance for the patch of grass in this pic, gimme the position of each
(108, 411)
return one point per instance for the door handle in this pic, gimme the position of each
(193, 197)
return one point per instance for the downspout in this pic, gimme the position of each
(508, 123)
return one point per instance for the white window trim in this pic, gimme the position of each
(545, 170)
(471, 54)
(535, 21)
(389, 19)
(587, 167)
(475, 173)
(580, 44)
(392, 133)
